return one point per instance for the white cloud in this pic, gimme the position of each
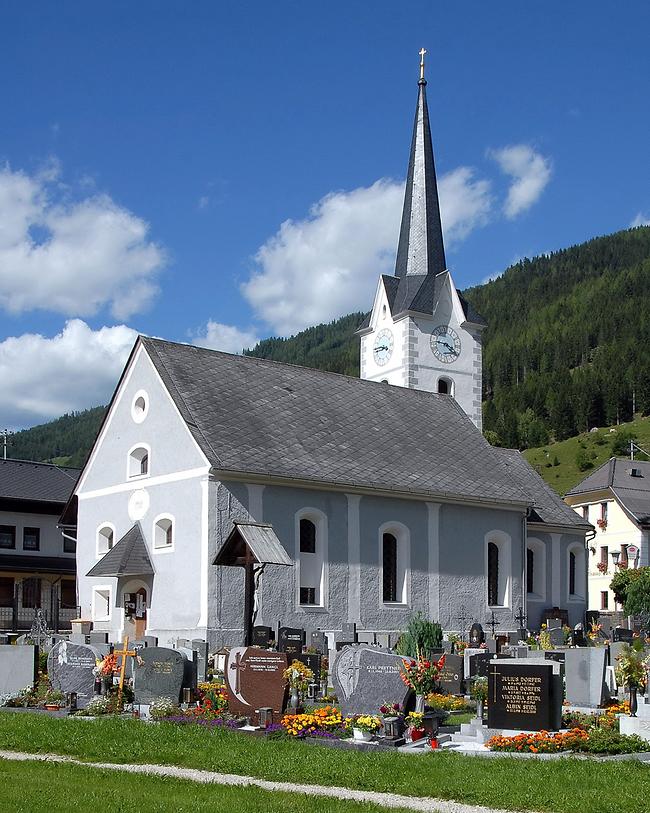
(640, 220)
(530, 171)
(228, 338)
(42, 378)
(71, 256)
(316, 269)
(203, 202)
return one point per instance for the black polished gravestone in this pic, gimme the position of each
(622, 634)
(158, 673)
(525, 695)
(364, 677)
(311, 661)
(318, 641)
(478, 664)
(201, 648)
(70, 669)
(451, 674)
(263, 637)
(476, 635)
(291, 640)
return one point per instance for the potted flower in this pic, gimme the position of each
(421, 675)
(602, 567)
(479, 692)
(415, 723)
(393, 720)
(631, 672)
(299, 678)
(104, 670)
(364, 726)
(601, 523)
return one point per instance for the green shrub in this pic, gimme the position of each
(421, 636)
(607, 741)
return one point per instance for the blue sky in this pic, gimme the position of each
(150, 154)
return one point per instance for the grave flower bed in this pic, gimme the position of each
(541, 742)
(326, 721)
(447, 702)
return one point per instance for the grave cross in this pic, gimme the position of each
(124, 653)
(521, 618)
(493, 623)
(238, 666)
(463, 618)
(494, 675)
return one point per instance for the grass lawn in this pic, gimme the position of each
(36, 786)
(561, 786)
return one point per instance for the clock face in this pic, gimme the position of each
(383, 347)
(445, 344)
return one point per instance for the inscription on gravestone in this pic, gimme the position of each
(158, 673)
(262, 637)
(254, 680)
(364, 677)
(319, 642)
(291, 640)
(478, 664)
(311, 661)
(70, 669)
(451, 675)
(525, 696)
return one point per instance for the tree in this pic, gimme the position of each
(621, 582)
(638, 595)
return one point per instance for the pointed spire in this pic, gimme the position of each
(421, 249)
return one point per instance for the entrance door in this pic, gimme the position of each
(140, 612)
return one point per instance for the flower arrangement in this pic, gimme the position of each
(390, 710)
(365, 722)
(415, 719)
(106, 667)
(213, 700)
(479, 689)
(325, 719)
(421, 675)
(299, 676)
(601, 523)
(602, 567)
(446, 702)
(630, 670)
(541, 742)
(163, 707)
(460, 647)
(97, 706)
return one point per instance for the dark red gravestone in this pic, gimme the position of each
(254, 679)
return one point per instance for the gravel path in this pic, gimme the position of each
(388, 800)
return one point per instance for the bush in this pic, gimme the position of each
(420, 636)
(604, 741)
(584, 459)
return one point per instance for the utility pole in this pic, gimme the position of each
(5, 434)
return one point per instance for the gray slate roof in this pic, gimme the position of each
(632, 492)
(40, 482)
(259, 417)
(129, 557)
(262, 541)
(548, 507)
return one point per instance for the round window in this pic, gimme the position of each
(140, 406)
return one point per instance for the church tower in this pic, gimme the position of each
(421, 333)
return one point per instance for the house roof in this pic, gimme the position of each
(548, 507)
(129, 557)
(40, 482)
(631, 490)
(258, 417)
(261, 540)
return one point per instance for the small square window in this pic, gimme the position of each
(308, 595)
(7, 536)
(31, 538)
(604, 600)
(69, 545)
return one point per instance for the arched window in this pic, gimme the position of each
(572, 573)
(311, 556)
(105, 539)
(530, 571)
(394, 555)
(389, 550)
(138, 464)
(445, 386)
(498, 568)
(536, 569)
(493, 574)
(163, 533)
(576, 572)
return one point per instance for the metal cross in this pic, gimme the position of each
(238, 666)
(39, 631)
(521, 618)
(463, 618)
(493, 623)
(494, 674)
(422, 53)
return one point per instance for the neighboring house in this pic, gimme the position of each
(37, 564)
(615, 498)
(387, 500)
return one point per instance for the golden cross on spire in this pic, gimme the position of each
(422, 53)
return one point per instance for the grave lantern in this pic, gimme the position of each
(312, 691)
(265, 716)
(394, 727)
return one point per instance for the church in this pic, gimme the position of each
(370, 499)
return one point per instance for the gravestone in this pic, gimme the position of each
(555, 614)
(448, 647)
(364, 677)
(525, 695)
(451, 674)
(191, 672)
(478, 664)
(615, 651)
(254, 680)
(263, 637)
(290, 640)
(492, 646)
(70, 669)
(158, 672)
(349, 632)
(311, 661)
(557, 636)
(201, 648)
(476, 635)
(366, 638)
(467, 654)
(18, 668)
(318, 641)
(550, 655)
(622, 634)
(183, 642)
(383, 640)
(585, 676)
(4, 640)
(97, 638)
